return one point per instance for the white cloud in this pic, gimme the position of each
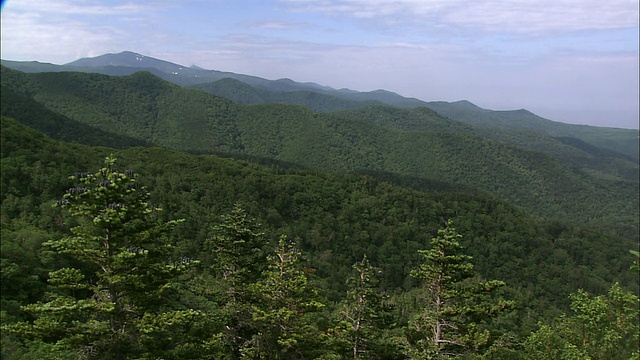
(507, 16)
(279, 25)
(67, 30)
(30, 37)
(75, 7)
(509, 54)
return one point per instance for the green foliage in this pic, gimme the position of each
(237, 264)
(451, 321)
(237, 248)
(282, 313)
(334, 218)
(246, 94)
(119, 288)
(364, 315)
(636, 262)
(551, 177)
(622, 141)
(601, 327)
(37, 116)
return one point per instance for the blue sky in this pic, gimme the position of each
(573, 61)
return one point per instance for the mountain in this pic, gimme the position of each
(128, 59)
(126, 63)
(563, 178)
(501, 125)
(548, 215)
(623, 141)
(37, 116)
(243, 93)
(337, 218)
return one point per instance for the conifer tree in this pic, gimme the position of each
(111, 302)
(236, 247)
(364, 313)
(456, 301)
(284, 301)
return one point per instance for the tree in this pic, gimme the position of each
(284, 301)
(364, 313)
(236, 248)
(456, 303)
(636, 261)
(111, 300)
(601, 327)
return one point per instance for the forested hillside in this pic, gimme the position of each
(245, 225)
(322, 98)
(561, 178)
(246, 94)
(623, 141)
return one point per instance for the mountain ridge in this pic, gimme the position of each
(549, 177)
(624, 141)
(335, 217)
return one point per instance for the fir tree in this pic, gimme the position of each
(283, 307)
(113, 302)
(364, 313)
(237, 259)
(456, 304)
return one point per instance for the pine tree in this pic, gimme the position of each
(364, 313)
(111, 303)
(236, 248)
(284, 301)
(456, 302)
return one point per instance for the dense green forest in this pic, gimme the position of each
(562, 178)
(244, 260)
(247, 89)
(243, 93)
(145, 220)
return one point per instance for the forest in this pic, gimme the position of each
(563, 178)
(276, 232)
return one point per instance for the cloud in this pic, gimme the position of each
(69, 7)
(279, 25)
(507, 16)
(67, 30)
(560, 54)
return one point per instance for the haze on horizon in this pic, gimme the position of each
(566, 60)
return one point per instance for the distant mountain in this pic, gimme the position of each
(126, 63)
(243, 93)
(557, 177)
(128, 59)
(624, 141)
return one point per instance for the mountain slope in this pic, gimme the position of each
(336, 218)
(126, 63)
(35, 115)
(624, 141)
(415, 142)
(246, 94)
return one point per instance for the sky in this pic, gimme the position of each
(574, 61)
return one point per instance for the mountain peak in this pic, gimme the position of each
(127, 59)
(466, 104)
